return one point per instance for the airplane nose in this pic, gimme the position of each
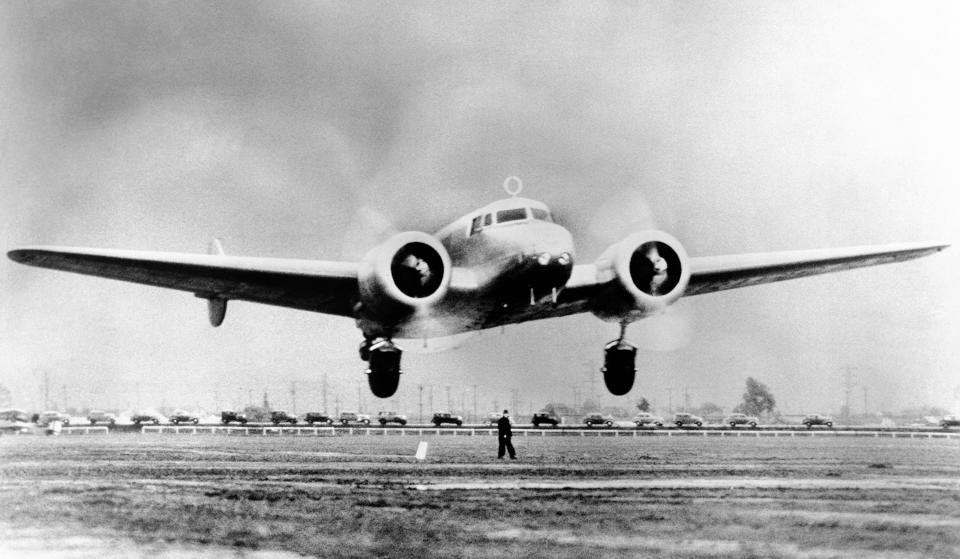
(552, 270)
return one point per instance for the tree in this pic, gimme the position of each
(643, 405)
(756, 399)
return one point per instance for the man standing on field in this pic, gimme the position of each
(504, 434)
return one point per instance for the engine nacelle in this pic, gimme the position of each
(642, 275)
(407, 273)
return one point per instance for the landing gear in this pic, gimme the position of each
(619, 364)
(383, 375)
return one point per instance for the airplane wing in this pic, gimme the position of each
(328, 287)
(717, 273)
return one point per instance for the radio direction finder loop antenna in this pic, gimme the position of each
(513, 185)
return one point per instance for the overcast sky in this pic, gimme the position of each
(314, 129)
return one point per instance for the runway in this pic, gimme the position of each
(150, 495)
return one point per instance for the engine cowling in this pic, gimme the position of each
(642, 275)
(407, 273)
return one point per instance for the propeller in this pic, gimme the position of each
(619, 215)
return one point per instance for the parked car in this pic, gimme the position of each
(385, 417)
(545, 418)
(683, 418)
(229, 416)
(817, 419)
(279, 416)
(592, 419)
(312, 417)
(347, 417)
(446, 417)
(493, 417)
(646, 418)
(98, 416)
(950, 421)
(183, 417)
(145, 417)
(48, 417)
(735, 419)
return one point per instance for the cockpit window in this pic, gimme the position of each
(487, 220)
(515, 214)
(541, 214)
(476, 227)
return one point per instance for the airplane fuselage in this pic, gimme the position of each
(511, 245)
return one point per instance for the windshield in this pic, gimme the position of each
(515, 214)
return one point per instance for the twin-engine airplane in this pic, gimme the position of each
(505, 263)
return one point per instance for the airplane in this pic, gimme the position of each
(505, 263)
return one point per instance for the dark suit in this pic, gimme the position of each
(504, 434)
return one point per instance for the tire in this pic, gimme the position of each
(679, 424)
(436, 424)
(829, 424)
(753, 425)
(196, 421)
(92, 423)
(156, 422)
(699, 424)
(733, 425)
(383, 422)
(809, 425)
(459, 423)
(608, 424)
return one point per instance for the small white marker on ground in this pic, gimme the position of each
(421, 451)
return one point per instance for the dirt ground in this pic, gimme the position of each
(212, 496)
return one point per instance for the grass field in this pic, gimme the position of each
(216, 496)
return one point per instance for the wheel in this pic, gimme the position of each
(829, 424)
(383, 422)
(276, 422)
(403, 422)
(366, 422)
(753, 425)
(699, 424)
(383, 376)
(679, 424)
(619, 368)
(196, 421)
(156, 422)
(92, 423)
(329, 422)
(459, 423)
(136, 422)
(343, 421)
(608, 423)
(809, 425)
(733, 425)
(436, 423)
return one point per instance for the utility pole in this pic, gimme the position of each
(475, 416)
(325, 408)
(847, 388)
(449, 404)
(420, 389)
(293, 397)
(430, 396)
(46, 390)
